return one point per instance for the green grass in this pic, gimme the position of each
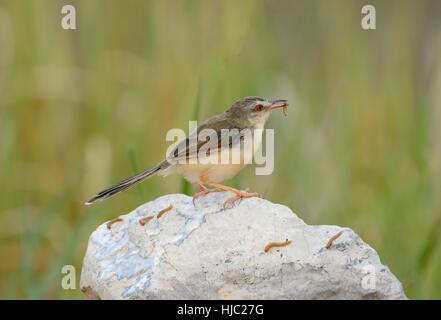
(185, 185)
(80, 110)
(134, 166)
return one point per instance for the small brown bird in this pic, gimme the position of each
(246, 113)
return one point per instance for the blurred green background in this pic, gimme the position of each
(81, 109)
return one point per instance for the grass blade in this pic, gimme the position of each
(185, 185)
(134, 166)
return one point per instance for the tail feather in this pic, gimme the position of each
(124, 185)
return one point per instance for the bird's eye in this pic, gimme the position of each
(259, 107)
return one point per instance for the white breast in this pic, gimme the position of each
(197, 173)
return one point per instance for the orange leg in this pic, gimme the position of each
(203, 191)
(238, 194)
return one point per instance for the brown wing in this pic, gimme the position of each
(190, 146)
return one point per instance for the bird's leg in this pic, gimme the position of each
(238, 194)
(203, 191)
(241, 195)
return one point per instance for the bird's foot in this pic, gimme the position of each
(239, 194)
(203, 191)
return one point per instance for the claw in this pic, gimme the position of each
(203, 191)
(241, 195)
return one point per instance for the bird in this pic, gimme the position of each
(187, 159)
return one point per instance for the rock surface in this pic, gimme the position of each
(203, 252)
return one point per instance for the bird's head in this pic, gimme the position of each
(254, 111)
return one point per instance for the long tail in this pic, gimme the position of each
(125, 184)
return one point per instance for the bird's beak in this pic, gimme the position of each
(279, 104)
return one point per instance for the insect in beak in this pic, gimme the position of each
(280, 104)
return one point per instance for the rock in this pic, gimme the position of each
(204, 252)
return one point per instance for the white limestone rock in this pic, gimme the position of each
(204, 252)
